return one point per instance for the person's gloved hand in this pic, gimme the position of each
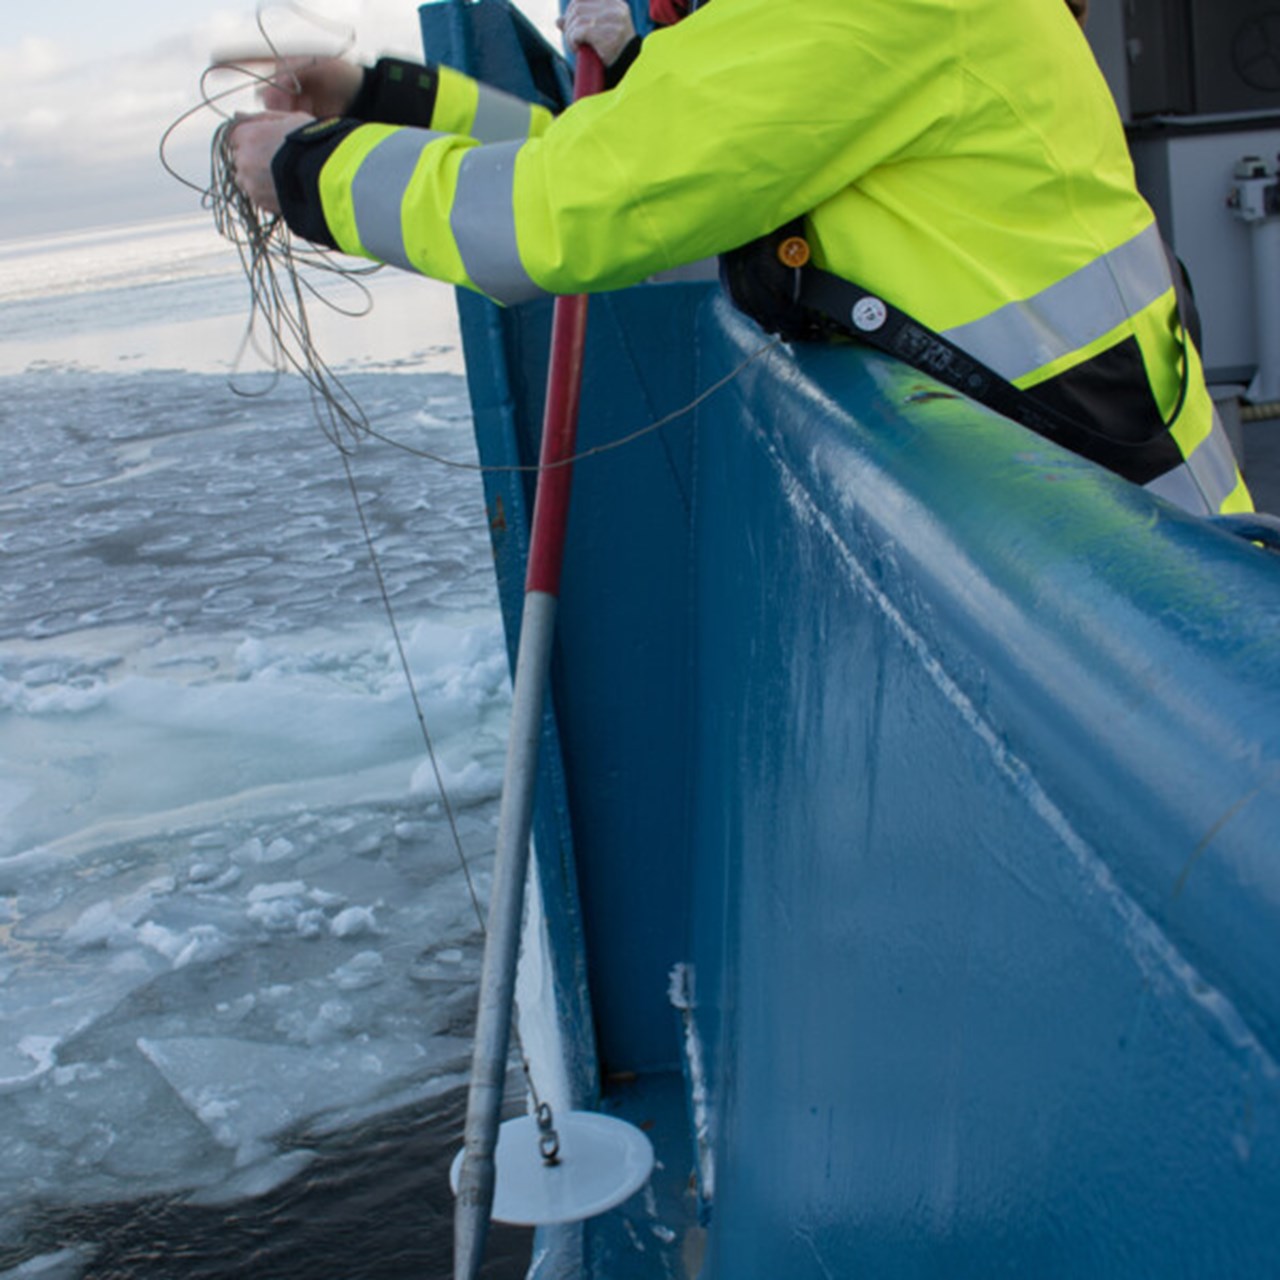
(605, 25)
(318, 86)
(254, 141)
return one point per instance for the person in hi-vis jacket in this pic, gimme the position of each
(962, 158)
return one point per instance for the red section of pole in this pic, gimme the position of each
(560, 416)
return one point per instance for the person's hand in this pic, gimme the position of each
(605, 25)
(319, 86)
(253, 143)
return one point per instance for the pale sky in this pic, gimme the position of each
(87, 88)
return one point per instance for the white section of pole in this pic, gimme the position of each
(506, 904)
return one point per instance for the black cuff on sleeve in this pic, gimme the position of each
(396, 92)
(296, 169)
(619, 67)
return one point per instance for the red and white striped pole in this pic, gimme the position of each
(515, 820)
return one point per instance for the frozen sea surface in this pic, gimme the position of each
(237, 946)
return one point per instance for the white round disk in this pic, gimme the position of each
(603, 1160)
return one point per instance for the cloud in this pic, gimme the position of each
(79, 137)
(32, 58)
(79, 140)
(100, 116)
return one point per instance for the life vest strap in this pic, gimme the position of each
(775, 282)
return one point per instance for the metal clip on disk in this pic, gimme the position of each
(548, 1138)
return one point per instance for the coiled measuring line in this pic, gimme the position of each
(278, 329)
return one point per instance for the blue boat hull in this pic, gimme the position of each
(945, 765)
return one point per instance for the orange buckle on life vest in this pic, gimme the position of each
(794, 252)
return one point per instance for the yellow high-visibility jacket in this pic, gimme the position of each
(962, 158)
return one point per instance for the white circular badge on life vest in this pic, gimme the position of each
(602, 1161)
(869, 314)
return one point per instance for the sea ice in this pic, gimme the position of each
(248, 1093)
(258, 1180)
(181, 1028)
(219, 875)
(33, 1058)
(354, 922)
(65, 1264)
(363, 970)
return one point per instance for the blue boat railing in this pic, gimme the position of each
(946, 766)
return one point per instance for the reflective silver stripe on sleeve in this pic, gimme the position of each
(1213, 464)
(484, 224)
(1205, 480)
(500, 117)
(1179, 487)
(377, 192)
(1024, 336)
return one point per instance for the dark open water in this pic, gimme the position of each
(376, 1205)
